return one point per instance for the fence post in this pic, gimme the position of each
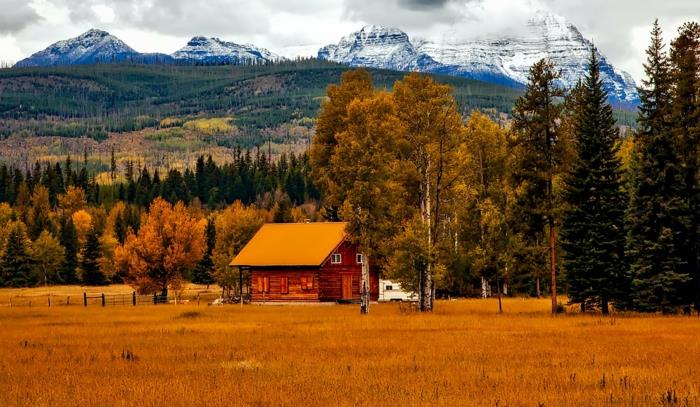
(197, 299)
(84, 298)
(103, 300)
(133, 298)
(49, 297)
(68, 300)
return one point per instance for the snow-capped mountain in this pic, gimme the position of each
(378, 47)
(89, 47)
(504, 60)
(100, 46)
(215, 51)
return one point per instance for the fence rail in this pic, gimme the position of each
(109, 300)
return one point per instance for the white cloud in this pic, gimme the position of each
(104, 13)
(11, 52)
(15, 15)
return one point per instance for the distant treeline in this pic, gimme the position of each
(249, 178)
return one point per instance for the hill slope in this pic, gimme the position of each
(94, 99)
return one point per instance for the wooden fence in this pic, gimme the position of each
(108, 300)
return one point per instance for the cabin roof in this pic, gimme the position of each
(291, 244)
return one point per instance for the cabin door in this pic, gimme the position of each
(347, 287)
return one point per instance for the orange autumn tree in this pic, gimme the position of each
(168, 244)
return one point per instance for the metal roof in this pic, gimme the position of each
(291, 244)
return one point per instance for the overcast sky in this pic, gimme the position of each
(619, 28)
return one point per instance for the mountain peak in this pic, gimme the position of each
(380, 29)
(91, 46)
(372, 33)
(94, 32)
(553, 26)
(213, 50)
(377, 46)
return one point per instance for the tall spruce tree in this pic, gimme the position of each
(17, 265)
(593, 236)
(658, 212)
(69, 241)
(539, 151)
(202, 273)
(89, 261)
(685, 70)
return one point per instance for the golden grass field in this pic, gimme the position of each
(462, 354)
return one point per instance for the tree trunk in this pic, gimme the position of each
(498, 289)
(553, 264)
(428, 290)
(537, 287)
(427, 280)
(364, 294)
(421, 282)
(604, 307)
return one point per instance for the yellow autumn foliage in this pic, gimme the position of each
(214, 125)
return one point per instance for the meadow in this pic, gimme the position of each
(462, 354)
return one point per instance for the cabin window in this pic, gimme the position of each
(263, 284)
(284, 286)
(359, 258)
(307, 283)
(336, 258)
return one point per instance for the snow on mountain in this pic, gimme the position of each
(89, 47)
(504, 60)
(100, 46)
(215, 51)
(378, 47)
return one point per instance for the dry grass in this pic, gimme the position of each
(463, 354)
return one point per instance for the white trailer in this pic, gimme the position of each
(391, 291)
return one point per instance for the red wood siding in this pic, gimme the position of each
(295, 290)
(331, 275)
(312, 284)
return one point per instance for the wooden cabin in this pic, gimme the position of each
(304, 262)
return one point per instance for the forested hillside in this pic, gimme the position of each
(96, 99)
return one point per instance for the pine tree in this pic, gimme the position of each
(539, 151)
(282, 212)
(593, 236)
(685, 60)
(17, 264)
(202, 273)
(658, 212)
(89, 261)
(69, 240)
